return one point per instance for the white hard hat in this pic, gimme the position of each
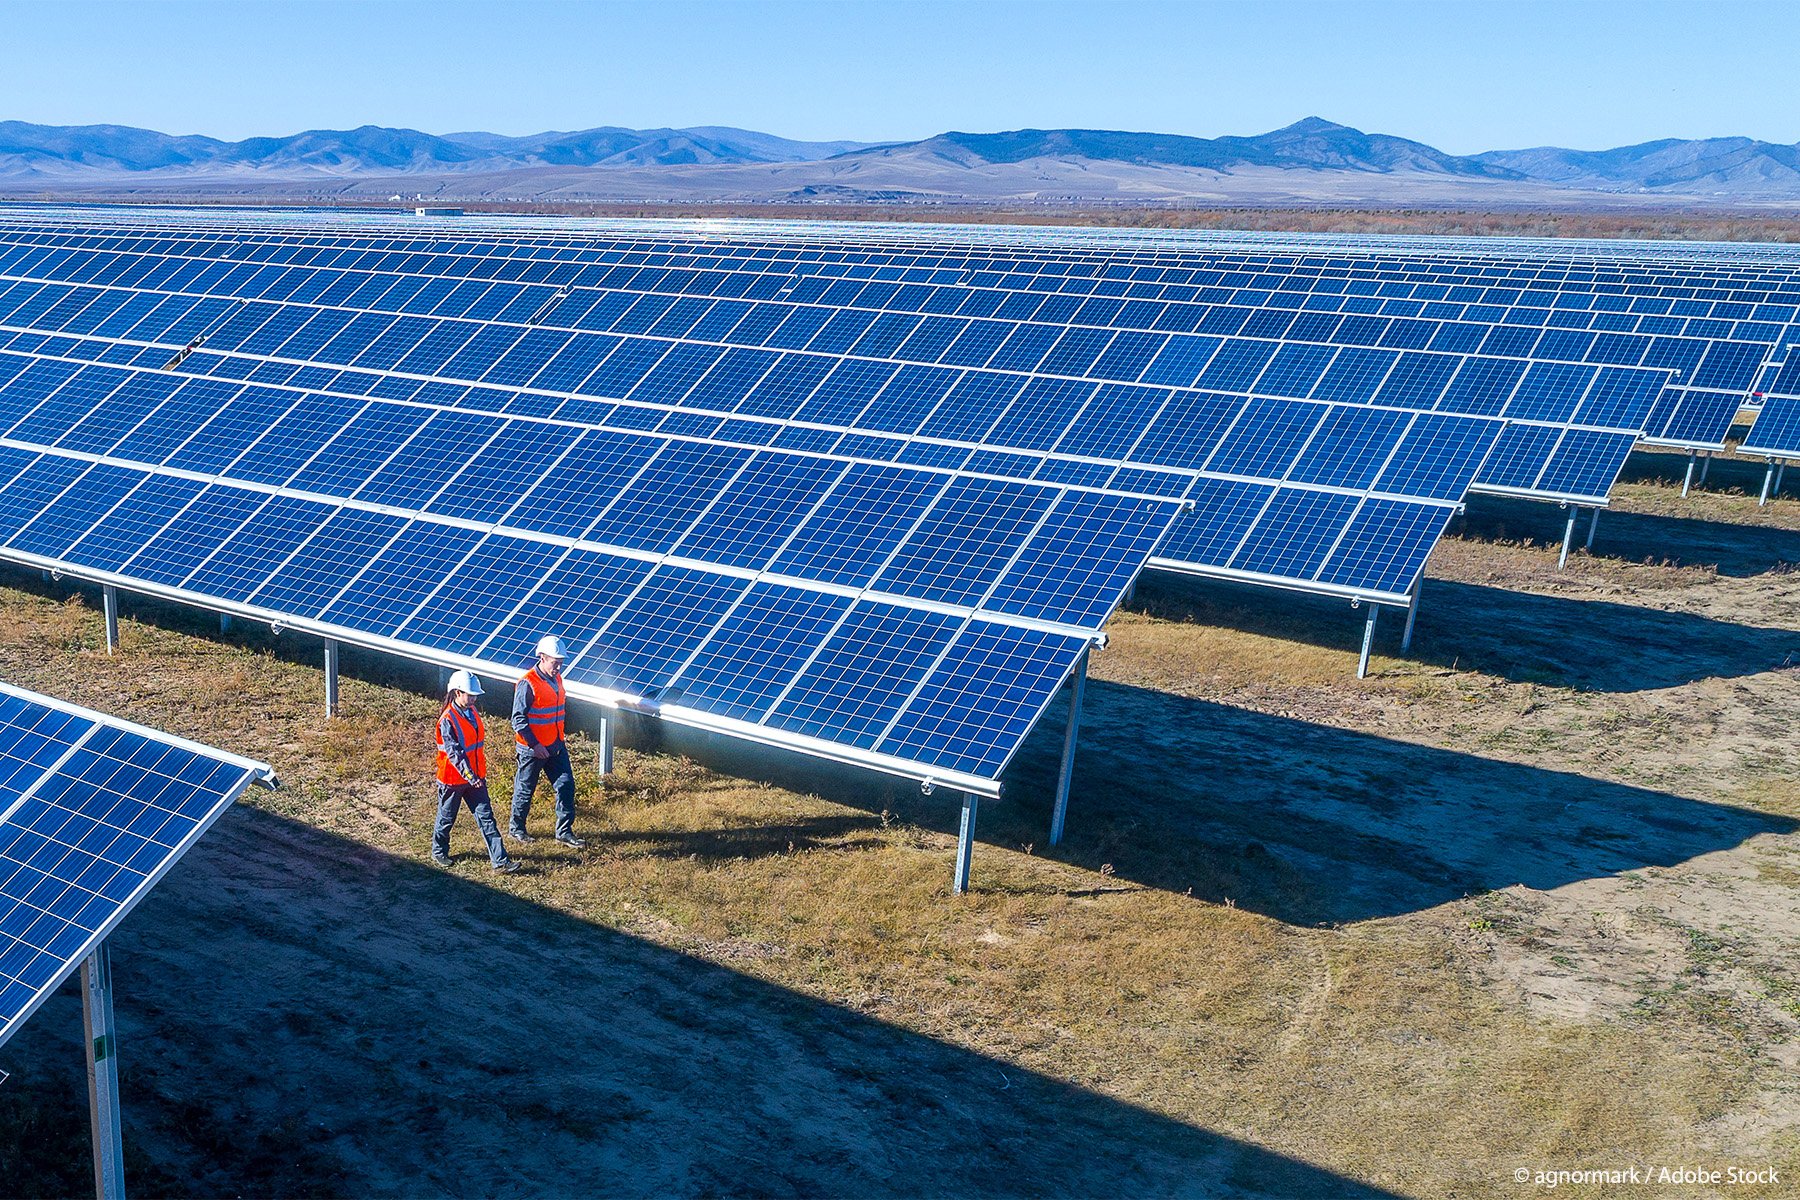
(551, 646)
(462, 681)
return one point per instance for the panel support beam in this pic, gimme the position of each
(603, 752)
(1768, 483)
(965, 842)
(1568, 538)
(1412, 615)
(1687, 480)
(109, 603)
(103, 1074)
(1077, 685)
(331, 677)
(1368, 642)
(1593, 524)
(224, 622)
(1706, 468)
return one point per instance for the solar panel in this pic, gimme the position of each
(641, 549)
(1538, 342)
(1149, 364)
(94, 811)
(1776, 432)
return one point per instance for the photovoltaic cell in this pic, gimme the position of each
(93, 812)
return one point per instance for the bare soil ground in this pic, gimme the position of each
(1526, 899)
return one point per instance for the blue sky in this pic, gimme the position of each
(1463, 75)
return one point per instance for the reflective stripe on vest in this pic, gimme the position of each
(473, 738)
(545, 712)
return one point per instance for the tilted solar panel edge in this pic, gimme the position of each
(252, 772)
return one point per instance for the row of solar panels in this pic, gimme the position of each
(93, 812)
(1685, 416)
(1229, 438)
(1066, 243)
(1483, 279)
(1648, 293)
(739, 364)
(369, 221)
(910, 614)
(663, 502)
(1156, 307)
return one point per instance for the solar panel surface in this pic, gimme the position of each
(93, 812)
(739, 460)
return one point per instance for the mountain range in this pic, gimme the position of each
(1312, 160)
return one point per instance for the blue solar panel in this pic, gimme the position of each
(1376, 476)
(93, 811)
(864, 673)
(1777, 429)
(974, 709)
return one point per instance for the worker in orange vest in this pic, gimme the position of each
(538, 712)
(462, 774)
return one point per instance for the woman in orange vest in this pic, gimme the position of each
(538, 714)
(462, 774)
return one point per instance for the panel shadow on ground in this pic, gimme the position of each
(1526, 637)
(1312, 824)
(303, 1015)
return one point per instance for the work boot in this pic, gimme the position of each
(569, 839)
(519, 835)
(509, 867)
(440, 858)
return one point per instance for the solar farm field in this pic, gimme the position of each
(1526, 898)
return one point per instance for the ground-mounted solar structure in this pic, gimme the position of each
(863, 493)
(94, 812)
(754, 346)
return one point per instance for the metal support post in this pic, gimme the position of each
(103, 1075)
(331, 677)
(224, 622)
(1412, 615)
(1705, 467)
(603, 753)
(1780, 474)
(1568, 538)
(1077, 685)
(1593, 524)
(1362, 664)
(109, 603)
(1687, 480)
(1768, 482)
(965, 842)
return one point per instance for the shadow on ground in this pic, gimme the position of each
(1737, 551)
(1312, 824)
(1589, 645)
(301, 1015)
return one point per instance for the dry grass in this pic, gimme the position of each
(1267, 924)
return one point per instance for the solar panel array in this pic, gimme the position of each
(93, 812)
(1046, 397)
(866, 494)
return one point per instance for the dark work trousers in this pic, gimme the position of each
(475, 795)
(562, 780)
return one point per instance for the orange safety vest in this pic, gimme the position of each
(545, 712)
(472, 737)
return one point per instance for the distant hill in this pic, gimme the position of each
(1709, 164)
(1312, 144)
(80, 149)
(1312, 161)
